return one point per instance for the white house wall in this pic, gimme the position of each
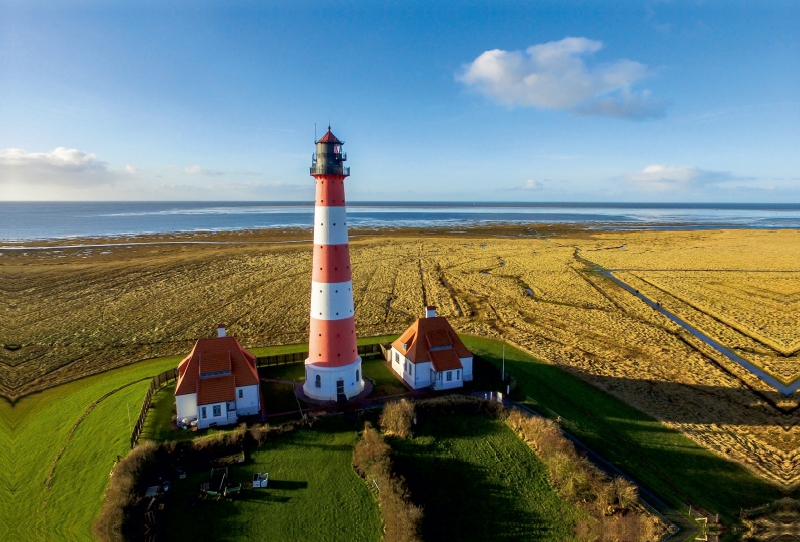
(222, 419)
(467, 364)
(186, 406)
(418, 377)
(248, 404)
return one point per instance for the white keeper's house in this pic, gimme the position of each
(430, 354)
(217, 383)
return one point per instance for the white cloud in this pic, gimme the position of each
(531, 184)
(554, 76)
(663, 177)
(132, 170)
(61, 166)
(199, 170)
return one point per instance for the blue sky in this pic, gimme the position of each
(544, 101)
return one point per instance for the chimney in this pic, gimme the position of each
(220, 330)
(430, 312)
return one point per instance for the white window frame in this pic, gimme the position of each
(241, 393)
(449, 376)
(217, 411)
(203, 412)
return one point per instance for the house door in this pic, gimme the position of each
(340, 396)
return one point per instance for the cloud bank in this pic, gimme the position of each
(554, 75)
(663, 178)
(61, 166)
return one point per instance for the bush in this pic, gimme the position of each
(397, 417)
(612, 504)
(122, 491)
(460, 404)
(372, 460)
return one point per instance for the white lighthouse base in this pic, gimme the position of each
(325, 383)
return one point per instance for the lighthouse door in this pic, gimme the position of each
(340, 396)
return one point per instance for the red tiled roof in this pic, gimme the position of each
(216, 355)
(445, 360)
(216, 389)
(438, 337)
(215, 361)
(330, 138)
(426, 333)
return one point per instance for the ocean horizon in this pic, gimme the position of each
(29, 221)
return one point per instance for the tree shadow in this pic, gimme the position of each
(465, 501)
(286, 485)
(696, 403)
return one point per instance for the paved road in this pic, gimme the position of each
(765, 377)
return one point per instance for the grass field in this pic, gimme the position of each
(477, 480)
(33, 432)
(672, 466)
(523, 284)
(313, 493)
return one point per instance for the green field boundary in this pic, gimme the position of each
(664, 461)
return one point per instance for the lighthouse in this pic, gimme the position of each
(333, 367)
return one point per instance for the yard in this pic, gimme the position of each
(386, 383)
(313, 493)
(477, 480)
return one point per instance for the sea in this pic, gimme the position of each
(30, 221)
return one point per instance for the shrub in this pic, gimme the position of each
(397, 417)
(612, 504)
(122, 492)
(460, 404)
(372, 460)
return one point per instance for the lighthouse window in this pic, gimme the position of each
(318, 381)
(357, 379)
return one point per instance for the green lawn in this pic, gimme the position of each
(671, 465)
(313, 494)
(477, 480)
(38, 426)
(386, 383)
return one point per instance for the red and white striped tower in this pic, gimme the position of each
(333, 367)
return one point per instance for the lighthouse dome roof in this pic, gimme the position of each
(330, 138)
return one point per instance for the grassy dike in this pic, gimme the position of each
(669, 464)
(41, 428)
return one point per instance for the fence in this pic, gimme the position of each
(159, 380)
(366, 350)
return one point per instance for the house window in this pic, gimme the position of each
(241, 393)
(203, 412)
(318, 381)
(217, 411)
(449, 376)
(357, 379)
(397, 357)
